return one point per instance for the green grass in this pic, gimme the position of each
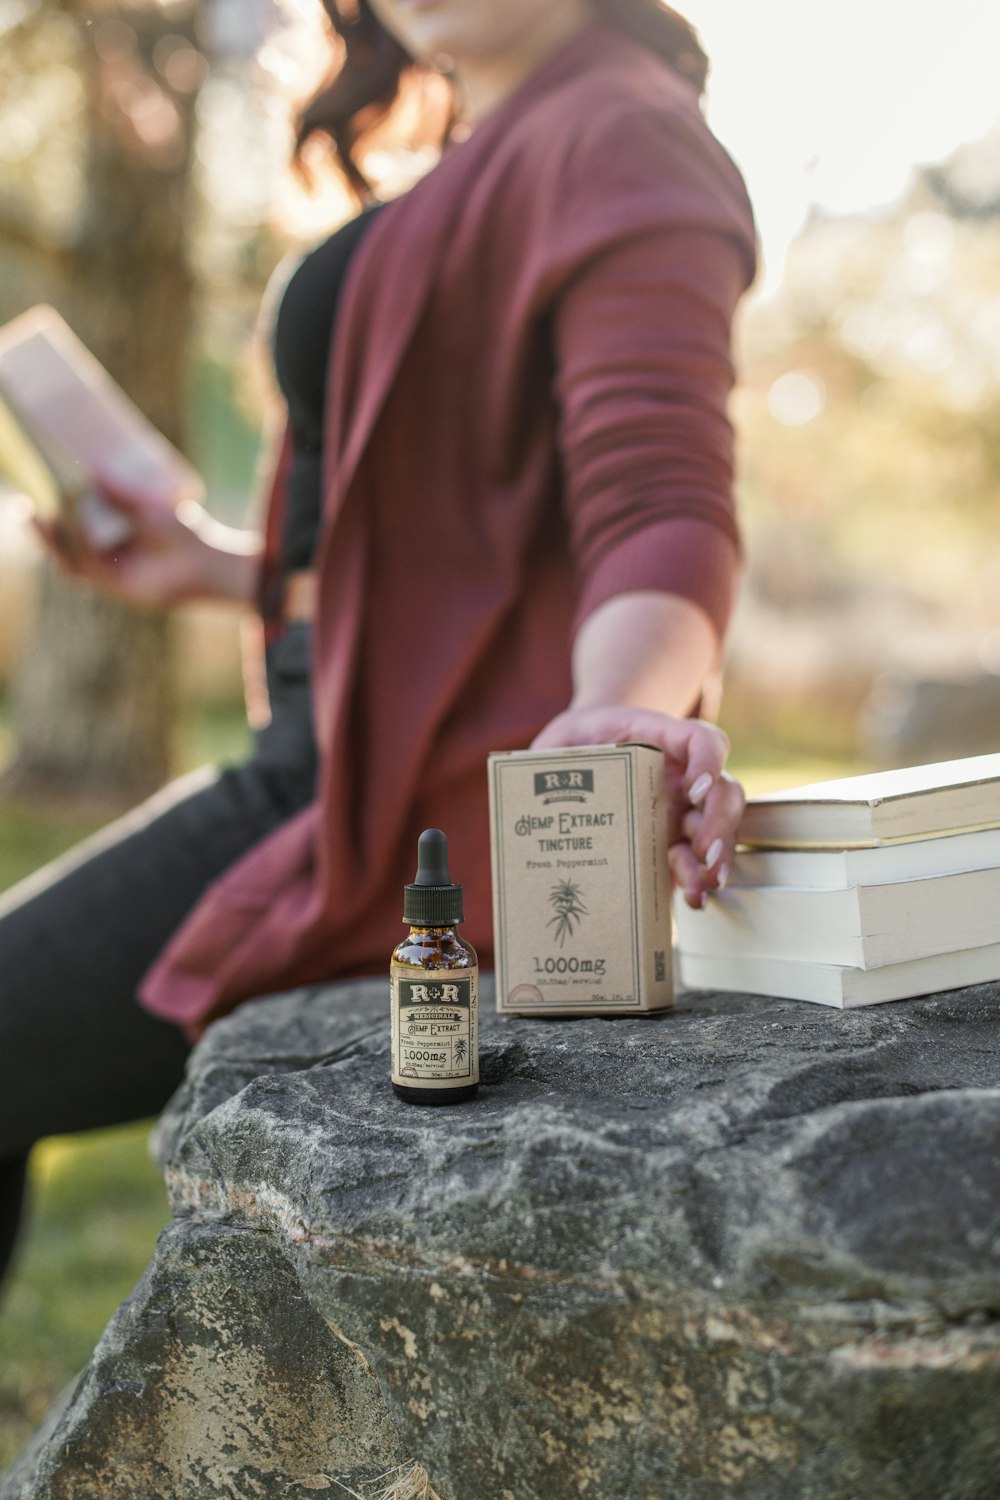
(215, 733)
(30, 836)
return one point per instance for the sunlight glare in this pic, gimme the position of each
(835, 106)
(796, 398)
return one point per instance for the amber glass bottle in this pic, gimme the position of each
(434, 979)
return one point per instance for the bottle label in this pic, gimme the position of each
(435, 1027)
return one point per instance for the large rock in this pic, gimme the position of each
(748, 1249)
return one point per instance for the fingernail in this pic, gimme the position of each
(714, 854)
(696, 899)
(722, 877)
(699, 788)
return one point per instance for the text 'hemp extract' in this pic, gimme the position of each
(434, 980)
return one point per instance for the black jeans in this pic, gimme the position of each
(76, 1049)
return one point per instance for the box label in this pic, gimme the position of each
(567, 928)
(564, 785)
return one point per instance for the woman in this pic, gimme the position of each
(521, 454)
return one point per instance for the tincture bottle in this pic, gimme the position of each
(434, 978)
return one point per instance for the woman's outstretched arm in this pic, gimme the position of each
(639, 664)
(641, 337)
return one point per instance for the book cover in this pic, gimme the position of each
(66, 427)
(883, 807)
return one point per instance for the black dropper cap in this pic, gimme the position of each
(433, 900)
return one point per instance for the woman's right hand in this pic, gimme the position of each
(171, 554)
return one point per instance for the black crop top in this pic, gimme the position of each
(303, 328)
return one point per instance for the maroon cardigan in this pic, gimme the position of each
(527, 416)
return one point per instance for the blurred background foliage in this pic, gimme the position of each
(869, 629)
(870, 624)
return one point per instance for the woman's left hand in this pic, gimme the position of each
(705, 804)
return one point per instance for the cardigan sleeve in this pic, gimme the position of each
(642, 331)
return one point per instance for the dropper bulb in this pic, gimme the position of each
(433, 899)
(432, 858)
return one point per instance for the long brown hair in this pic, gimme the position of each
(363, 89)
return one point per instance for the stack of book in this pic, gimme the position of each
(857, 891)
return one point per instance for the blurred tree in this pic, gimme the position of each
(869, 416)
(91, 693)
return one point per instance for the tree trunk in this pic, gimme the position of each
(91, 693)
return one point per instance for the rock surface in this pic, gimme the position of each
(217, 1378)
(747, 1249)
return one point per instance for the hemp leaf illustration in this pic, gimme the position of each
(565, 899)
(460, 1048)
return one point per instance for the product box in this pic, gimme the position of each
(581, 884)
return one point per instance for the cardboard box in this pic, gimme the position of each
(581, 884)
